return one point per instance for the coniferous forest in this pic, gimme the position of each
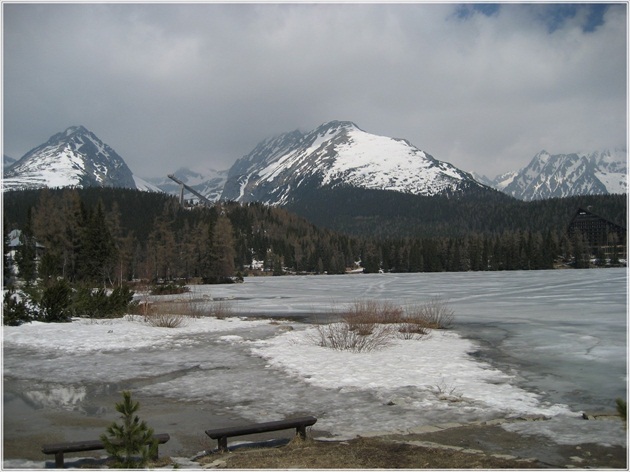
(109, 236)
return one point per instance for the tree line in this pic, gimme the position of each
(111, 236)
(390, 215)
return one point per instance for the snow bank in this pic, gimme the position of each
(129, 333)
(438, 367)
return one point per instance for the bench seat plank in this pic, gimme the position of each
(300, 424)
(58, 449)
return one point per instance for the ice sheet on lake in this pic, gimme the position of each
(568, 328)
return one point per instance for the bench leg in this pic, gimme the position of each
(222, 444)
(59, 460)
(301, 431)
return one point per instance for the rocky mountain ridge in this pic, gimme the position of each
(565, 175)
(333, 154)
(75, 157)
(338, 153)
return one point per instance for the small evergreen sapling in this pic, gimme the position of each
(622, 409)
(131, 438)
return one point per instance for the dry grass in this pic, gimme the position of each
(434, 314)
(368, 325)
(342, 337)
(220, 309)
(166, 320)
(169, 314)
(364, 315)
(176, 313)
(361, 453)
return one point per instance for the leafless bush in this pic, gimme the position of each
(446, 392)
(342, 337)
(166, 320)
(370, 324)
(408, 330)
(220, 309)
(434, 314)
(364, 315)
(171, 313)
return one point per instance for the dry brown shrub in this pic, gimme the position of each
(371, 324)
(433, 314)
(220, 309)
(171, 313)
(166, 320)
(340, 336)
(408, 330)
(364, 315)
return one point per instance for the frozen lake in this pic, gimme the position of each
(565, 329)
(550, 343)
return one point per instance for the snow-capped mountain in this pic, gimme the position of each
(499, 182)
(565, 175)
(72, 158)
(339, 153)
(208, 182)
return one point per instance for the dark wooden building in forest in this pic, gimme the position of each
(599, 234)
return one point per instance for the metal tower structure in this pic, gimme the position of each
(183, 186)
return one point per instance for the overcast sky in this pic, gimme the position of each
(484, 87)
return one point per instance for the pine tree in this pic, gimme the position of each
(98, 252)
(131, 438)
(222, 256)
(7, 263)
(47, 228)
(25, 258)
(55, 302)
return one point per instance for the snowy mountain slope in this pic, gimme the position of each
(565, 175)
(338, 153)
(72, 158)
(145, 186)
(208, 182)
(499, 182)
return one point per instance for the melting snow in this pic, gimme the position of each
(562, 331)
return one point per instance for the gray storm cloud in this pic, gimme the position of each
(170, 85)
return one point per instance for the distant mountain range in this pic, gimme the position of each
(282, 169)
(207, 181)
(565, 175)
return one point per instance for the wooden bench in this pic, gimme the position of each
(59, 449)
(299, 424)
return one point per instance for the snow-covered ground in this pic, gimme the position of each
(549, 343)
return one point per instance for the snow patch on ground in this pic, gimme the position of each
(438, 365)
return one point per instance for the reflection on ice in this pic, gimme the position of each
(57, 396)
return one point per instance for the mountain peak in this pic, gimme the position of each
(339, 153)
(75, 129)
(74, 157)
(563, 175)
(335, 124)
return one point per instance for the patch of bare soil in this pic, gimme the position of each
(464, 447)
(360, 453)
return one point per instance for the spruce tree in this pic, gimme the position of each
(25, 258)
(222, 255)
(55, 302)
(131, 443)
